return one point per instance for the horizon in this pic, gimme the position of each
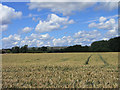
(57, 24)
(61, 46)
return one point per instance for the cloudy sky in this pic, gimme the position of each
(57, 24)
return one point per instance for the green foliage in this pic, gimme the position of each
(43, 49)
(15, 49)
(114, 44)
(8, 51)
(24, 49)
(100, 46)
(76, 48)
(110, 45)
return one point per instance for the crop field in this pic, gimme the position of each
(60, 70)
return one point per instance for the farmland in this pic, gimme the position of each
(60, 70)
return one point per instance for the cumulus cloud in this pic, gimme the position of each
(38, 36)
(102, 19)
(6, 15)
(11, 40)
(81, 38)
(86, 37)
(27, 29)
(36, 40)
(64, 41)
(53, 22)
(31, 43)
(112, 33)
(103, 24)
(66, 8)
(108, 24)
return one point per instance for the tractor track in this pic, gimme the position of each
(88, 60)
(101, 58)
(104, 61)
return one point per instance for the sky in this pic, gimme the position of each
(38, 24)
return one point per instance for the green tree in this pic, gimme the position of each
(100, 46)
(114, 44)
(43, 49)
(8, 51)
(15, 49)
(24, 49)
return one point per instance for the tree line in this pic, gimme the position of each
(112, 45)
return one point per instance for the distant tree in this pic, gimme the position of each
(86, 48)
(39, 49)
(76, 48)
(15, 49)
(43, 49)
(3, 51)
(114, 44)
(100, 46)
(8, 51)
(24, 49)
(33, 49)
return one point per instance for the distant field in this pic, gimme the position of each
(51, 70)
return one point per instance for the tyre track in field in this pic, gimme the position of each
(104, 61)
(88, 60)
(101, 58)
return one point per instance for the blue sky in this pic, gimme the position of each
(57, 24)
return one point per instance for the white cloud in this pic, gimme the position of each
(86, 37)
(81, 38)
(32, 40)
(102, 19)
(66, 8)
(11, 40)
(36, 40)
(108, 24)
(3, 27)
(27, 29)
(32, 43)
(53, 22)
(105, 38)
(87, 34)
(108, 5)
(7, 14)
(103, 24)
(64, 41)
(112, 33)
(38, 36)
(91, 25)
